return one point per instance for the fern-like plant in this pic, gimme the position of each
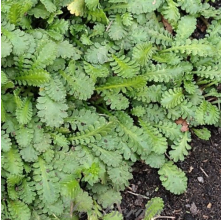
(90, 87)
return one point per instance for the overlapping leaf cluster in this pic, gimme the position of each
(88, 88)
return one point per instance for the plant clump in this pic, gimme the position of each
(89, 87)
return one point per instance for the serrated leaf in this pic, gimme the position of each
(6, 47)
(153, 208)
(55, 89)
(5, 142)
(33, 78)
(19, 210)
(114, 215)
(50, 111)
(203, 133)
(173, 179)
(24, 112)
(172, 98)
(77, 7)
(108, 198)
(180, 147)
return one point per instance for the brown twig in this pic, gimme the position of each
(204, 172)
(119, 208)
(130, 188)
(145, 197)
(108, 27)
(167, 156)
(204, 21)
(171, 217)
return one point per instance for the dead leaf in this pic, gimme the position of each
(183, 122)
(193, 209)
(167, 25)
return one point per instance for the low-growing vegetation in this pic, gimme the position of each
(89, 87)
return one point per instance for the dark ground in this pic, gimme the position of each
(201, 200)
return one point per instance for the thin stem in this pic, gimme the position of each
(71, 209)
(103, 110)
(204, 21)
(171, 217)
(145, 197)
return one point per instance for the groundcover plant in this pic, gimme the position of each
(89, 87)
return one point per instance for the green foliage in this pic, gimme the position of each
(203, 133)
(88, 88)
(173, 178)
(153, 207)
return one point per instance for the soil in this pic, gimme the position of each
(202, 200)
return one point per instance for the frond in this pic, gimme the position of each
(170, 12)
(24, 112)
(5, 142)
(203, 133)
(167, 58)
(147, 94)
(207, 113)
(95, 71)
(158, 35)
(154, 113)
(180, 147)
(77, 83)
(97, 15)
(209, 72)
(45, 55)
(157, 142)
(172, 178)
(93, 132)
(127, 19)
(172, 98)
(153, 207)
(19, 210)
(194, 47)
(118, 84)
(92, 5)
(12, 162)
(55, 89)
(24, 136)
(33, 78)
(163, 73)
(125, 67)
(170, 129)
(135, 138)
(143, 52)
(117, 30)
(46, 181)
(114, 215)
